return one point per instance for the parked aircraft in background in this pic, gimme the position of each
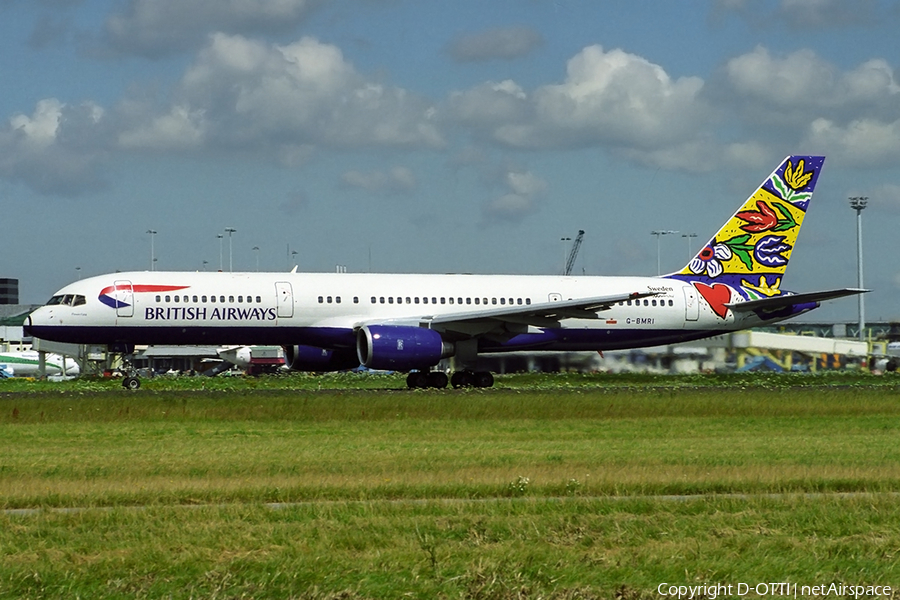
(27, 364)
(409, 323)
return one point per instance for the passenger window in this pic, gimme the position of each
(240, 299)
(203, 298)
(381, 299)
(373, 299)
(321, 299)
(168, 298)
(518, 301)
(195, 298)
(258, 300)
(653, 302)
(408, 300)
(477, 300)
(442, 300)
(337, 299)
(450, 299)
(416, 299)
(527, 300)
(468, 301)
(390, 299)
(212, 299)
(158, 298)
(493, 301)
(355, 299)
(329, 299)
(425, 300)
(646, 302)
(502, 300)
(176, 298)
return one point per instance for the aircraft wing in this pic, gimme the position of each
(783, 301)
(513, 319)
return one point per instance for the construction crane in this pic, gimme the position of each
(573, 253)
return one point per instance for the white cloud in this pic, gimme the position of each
(802, 79)
(396, 180)
(39, 130)
(612, 98)
(55, 150)
(525, 189)
(862, 142)
(503, 43)
(244, 93)
(180, 128)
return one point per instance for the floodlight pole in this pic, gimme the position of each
(152, 233)
(858, 203)
(229, 231)
(690, 250)
(659, 233)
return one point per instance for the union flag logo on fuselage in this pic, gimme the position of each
(120, 295)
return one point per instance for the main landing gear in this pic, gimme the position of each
(438, 379)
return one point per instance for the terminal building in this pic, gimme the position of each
(9, 291)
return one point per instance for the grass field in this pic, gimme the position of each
(339, 487)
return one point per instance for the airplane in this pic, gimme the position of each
(410, 322)
(26, 363)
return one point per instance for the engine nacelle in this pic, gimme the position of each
(312, 358)
(400, 348)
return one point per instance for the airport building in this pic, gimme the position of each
(9, 291)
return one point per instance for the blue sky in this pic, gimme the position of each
(428, 136)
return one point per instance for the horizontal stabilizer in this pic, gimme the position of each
(777, 302)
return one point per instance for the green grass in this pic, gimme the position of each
(523, 491)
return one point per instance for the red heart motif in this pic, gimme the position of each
(716, 296)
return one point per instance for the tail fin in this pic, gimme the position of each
(751, 251)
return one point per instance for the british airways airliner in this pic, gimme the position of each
(409, 323)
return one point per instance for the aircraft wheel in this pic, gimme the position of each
(131, 383)
(462, 379)
(484, 379)
(417, 379)
(437, 379)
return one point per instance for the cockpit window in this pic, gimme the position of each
(67, 300)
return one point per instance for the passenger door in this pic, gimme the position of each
(285, 300)
(124, 296)
(691, 303)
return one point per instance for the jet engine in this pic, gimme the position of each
(311, 358)
(400, 348)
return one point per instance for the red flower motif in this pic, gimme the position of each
(762, 220)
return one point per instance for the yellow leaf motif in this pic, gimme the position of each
(764, 288)
(796, 179)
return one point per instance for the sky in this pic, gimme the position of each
(421, 136)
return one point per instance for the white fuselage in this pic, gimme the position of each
(325, 310)
(27, 363)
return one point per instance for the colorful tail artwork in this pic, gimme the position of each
(751, 251)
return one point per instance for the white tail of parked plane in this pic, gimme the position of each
(410, 323)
